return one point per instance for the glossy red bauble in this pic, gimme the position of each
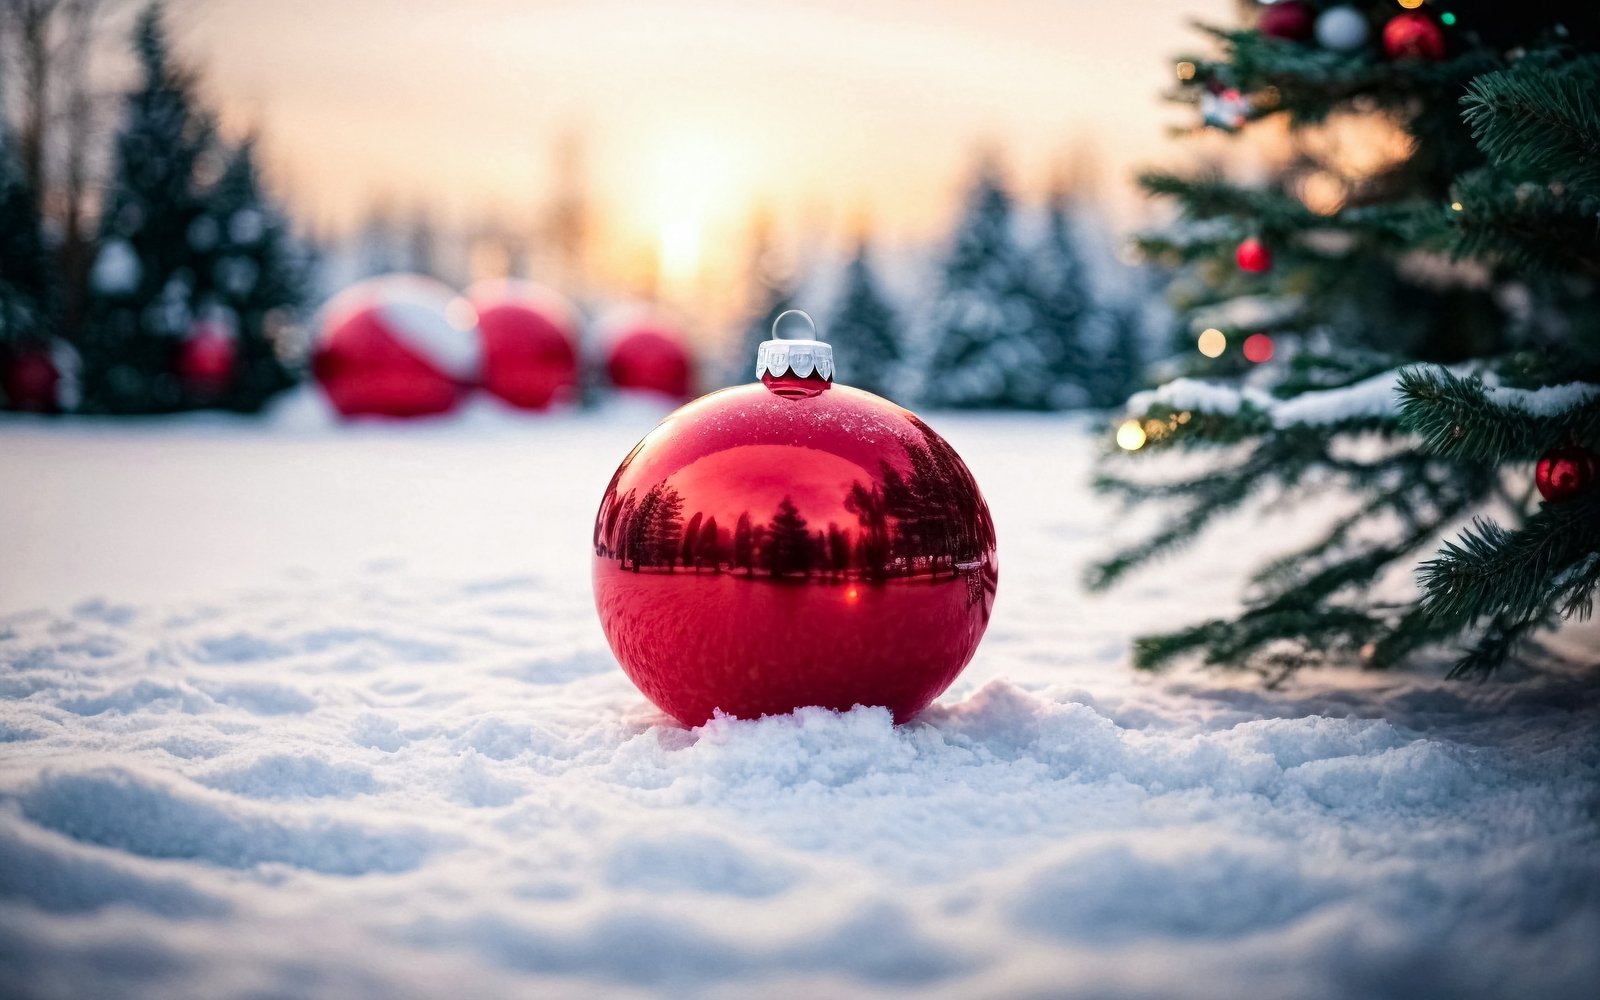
(649, 353)
(530, 342)
(207, 356)
(1288, 19)
(29, 380)
(1253, 256)
(397, 346)
(1566, 473)
(769, 547)
(1413, 35)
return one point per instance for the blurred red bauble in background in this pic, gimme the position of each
(1290, 19)
(530, 342)
(1258, 348)
(397, 346)
(1565, 473)
(793, 543)
(1413, 35)
(1253, 256)
(208, 353)
(30, 380)
(648, 352)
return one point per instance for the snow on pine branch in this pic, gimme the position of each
(1371, 397)
(1247, 312)
(1550, 401)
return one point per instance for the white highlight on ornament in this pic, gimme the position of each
(1342, 29)
(426, 315)
(777, 356)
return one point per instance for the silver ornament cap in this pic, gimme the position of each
(778, 357)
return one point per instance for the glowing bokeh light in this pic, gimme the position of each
(1411, 4)
(1130, 436)
(1212, 343)
(1258, 348)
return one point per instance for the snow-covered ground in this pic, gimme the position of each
(294, 710)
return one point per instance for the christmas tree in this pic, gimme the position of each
(865, 332)
(1063, 309)
(258, 273)
(25, 286)
(1415, 292)
(145, 278)
(984, 343)
(176, 246)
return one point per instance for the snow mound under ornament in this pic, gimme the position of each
(793, 543)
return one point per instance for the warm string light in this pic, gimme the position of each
(1130, 436)
(1185, 70)
(1212, 343)
(1411, 4)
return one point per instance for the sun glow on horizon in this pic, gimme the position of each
(691, 185)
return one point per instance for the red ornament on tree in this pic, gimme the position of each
(30, 381)
(530, 342)
(207, 355)
(1413, 35)
(1566, 473)
(397, 346)
(1291, 20)
(1253, 256)
(793, 543)
(647, 352)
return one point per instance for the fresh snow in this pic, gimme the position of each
(303, 710)
(1544, 402)
(1371, 397)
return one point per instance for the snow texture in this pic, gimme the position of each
(116, 269)
(304, 711)
(1546, 402)
(1371, 397)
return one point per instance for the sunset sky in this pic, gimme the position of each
(692, 114)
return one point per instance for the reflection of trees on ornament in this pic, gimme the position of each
(909, 522)
(743, 546)
(789, 546)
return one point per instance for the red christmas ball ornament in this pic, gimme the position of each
(30, 380)
(1413, 35)
(530, 342)
(647, 352)
(397, 346)
(207, 356)
(1566, 473)
(1291, 20)
(789, 543)
(1253, 256)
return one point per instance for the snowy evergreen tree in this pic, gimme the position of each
(1118, 369)
(865, 332)
(257, 272)
(1063, 310)
(1475, 247)
(776, 298)
(984, 349)
(25, 285)
(154, 233)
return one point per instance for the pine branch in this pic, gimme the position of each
(1490, 571)
(1540, 118)
(1460, 417)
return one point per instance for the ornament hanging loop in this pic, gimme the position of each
(778, 321)
(801, 359)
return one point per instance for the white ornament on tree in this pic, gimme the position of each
(1342, 29)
